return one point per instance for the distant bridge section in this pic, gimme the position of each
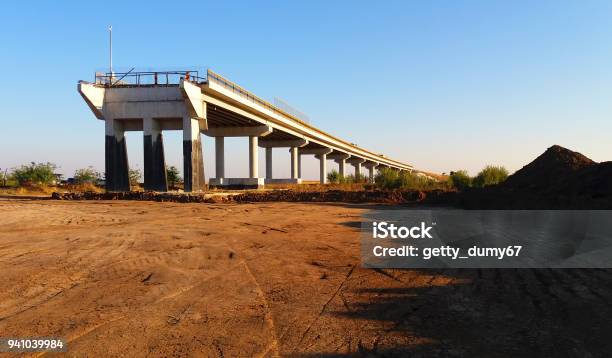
(196, 103)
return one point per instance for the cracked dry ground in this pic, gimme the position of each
(270, 279)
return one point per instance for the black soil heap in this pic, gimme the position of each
(557, 179)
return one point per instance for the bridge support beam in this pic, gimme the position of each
(116, 160)
(193, 161)
(268, 162)
(356, 162)
(253, 157)
(295, 163)
(340, 158)
(154, 162)
(220, 157)
(371, 167)
(323, 168)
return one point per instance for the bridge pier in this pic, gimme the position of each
(116, 160)
(154, 162)
(340, 158)
(356, 162)
(371, 167)
(268, 163)
(193, 161)
(295, 161)
(253, 157)
(220, 157)
(323, 168)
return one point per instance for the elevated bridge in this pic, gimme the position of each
(196, 103)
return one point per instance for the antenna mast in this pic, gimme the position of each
(110, 48)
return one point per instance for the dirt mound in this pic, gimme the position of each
(554, 165)
(557, 179)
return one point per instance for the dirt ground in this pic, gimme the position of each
(269, 279)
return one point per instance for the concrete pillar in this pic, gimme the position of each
(299, 165)
(295, 163)
(154, 162)
(253, 163)
(116, 161)
(371, 168)
(357, 166)
(193, 160)
(220, 157)
(341, 167)
(268, 162)
(323, 168)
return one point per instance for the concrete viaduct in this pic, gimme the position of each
(156, 101)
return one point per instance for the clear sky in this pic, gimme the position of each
(443, 85)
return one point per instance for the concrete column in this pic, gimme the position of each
(371, 168)
(323, 168)
(193, 160)
(357, 166)
(220, 157)
(299, 165)
(268, 162)
(253, 163)
(116, 161)
(341, 167)
(295, 163)
(154, 162)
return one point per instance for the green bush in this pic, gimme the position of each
(408, 180)
(134, 175)
(35, 174)
(86, 176)
(490, 175)
(172, 174)
(390, 179)
(387, 179)
(460, 180)
(334, 177)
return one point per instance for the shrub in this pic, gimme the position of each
(490, 175)
(460, 180)
(172, 174)
(334, 177)
(387, 179)
(35, 173)
(408, 180)
(134, 175)
(87, 175)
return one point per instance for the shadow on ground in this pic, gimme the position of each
(485, 313)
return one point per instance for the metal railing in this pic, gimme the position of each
(210, 75)
(152, 78)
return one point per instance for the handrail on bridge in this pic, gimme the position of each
(250, 96)
(137, 79)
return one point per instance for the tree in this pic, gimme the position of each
(460, 179)
(86, 175)
(490, 175)
(35, 173)
(172, 174)
(135, 175)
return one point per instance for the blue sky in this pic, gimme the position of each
(443, 85)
